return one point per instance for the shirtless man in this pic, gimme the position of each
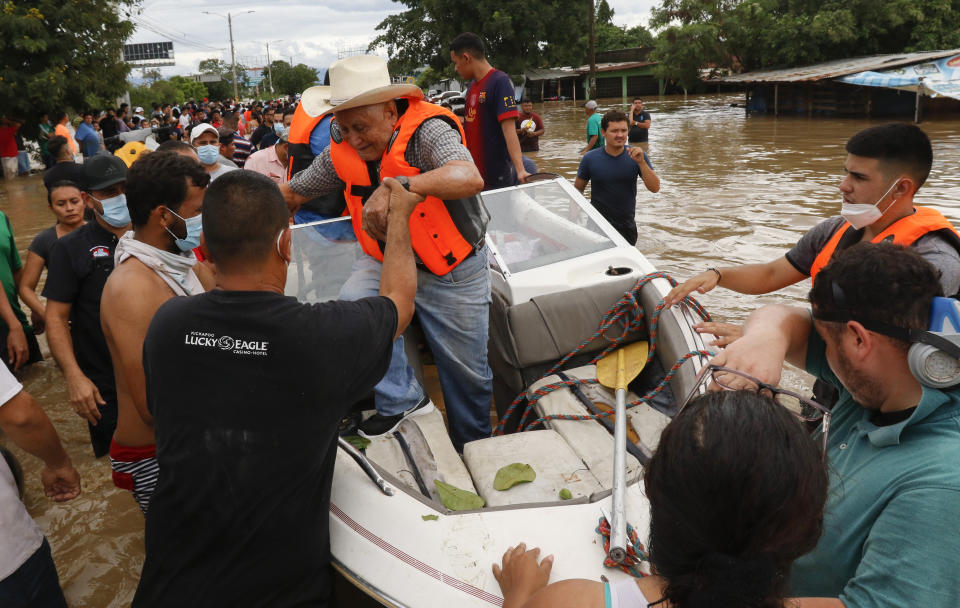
(154, 263)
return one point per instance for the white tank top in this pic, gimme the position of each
(623, 594)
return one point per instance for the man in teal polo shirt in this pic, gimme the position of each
(890, 533)
(594, 135)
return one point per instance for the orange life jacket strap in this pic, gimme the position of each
(905, 232)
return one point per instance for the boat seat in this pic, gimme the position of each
(592, 443)
(648, 422)
(433, 452)
(556, 464)
(527, 338)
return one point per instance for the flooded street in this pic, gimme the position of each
(733, 190)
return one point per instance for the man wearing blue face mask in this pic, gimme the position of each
(155, 262)
(206, 141)
(77, 270)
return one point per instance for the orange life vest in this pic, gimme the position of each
(904, 231)
(299, 137)
(434, 234)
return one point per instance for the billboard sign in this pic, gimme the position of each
(152, 53)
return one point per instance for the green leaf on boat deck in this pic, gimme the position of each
(512, 474)
(357, 441)
(429, 517)
(565, 494)
(456, 499)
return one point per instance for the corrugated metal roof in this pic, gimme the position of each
(836, 68)
(612, 67)
(568, 72)
(549, 73)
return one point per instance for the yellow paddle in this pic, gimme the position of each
(616, 370)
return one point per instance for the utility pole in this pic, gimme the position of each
(233, 59)
(269, 68)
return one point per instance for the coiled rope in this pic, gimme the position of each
(627, 314)
(636, 552)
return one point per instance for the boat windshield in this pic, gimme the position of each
(322, 257)
(543, 223)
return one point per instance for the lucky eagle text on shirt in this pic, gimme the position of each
(238, 346)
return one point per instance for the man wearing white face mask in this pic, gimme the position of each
(206, 141)
(885, 166)
(155, 262)
(77, 270)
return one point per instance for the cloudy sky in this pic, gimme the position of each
(306, 32)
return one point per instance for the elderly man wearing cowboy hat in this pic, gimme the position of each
(386, 131)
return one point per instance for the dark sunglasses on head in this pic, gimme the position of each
(730, 379)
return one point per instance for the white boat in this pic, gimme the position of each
(557, 267)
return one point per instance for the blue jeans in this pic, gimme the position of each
(453, 311)
(34, 584)
(23, 162)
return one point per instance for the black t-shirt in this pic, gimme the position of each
(77, 270)
(247, 389)
(108, 126)
(638, 134)
(63, 172)
(43, 242)
(258, 135)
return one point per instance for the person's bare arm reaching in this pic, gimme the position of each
(399, 275)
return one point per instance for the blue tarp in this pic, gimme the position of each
(932, 78)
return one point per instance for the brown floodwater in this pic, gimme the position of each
(734, 189)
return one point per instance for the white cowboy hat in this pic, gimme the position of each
(357, 81)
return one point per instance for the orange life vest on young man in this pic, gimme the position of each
(904, 231)
(436, 238)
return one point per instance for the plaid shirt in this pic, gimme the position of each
(433, 145)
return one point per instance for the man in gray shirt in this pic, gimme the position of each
(382, 130)
(885, 167)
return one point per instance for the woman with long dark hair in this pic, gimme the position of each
(736, 489)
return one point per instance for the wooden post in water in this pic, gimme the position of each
(542, 84)
(916, 110)
(592, 81)
(776, 100)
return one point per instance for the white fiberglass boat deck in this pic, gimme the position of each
(557, 267)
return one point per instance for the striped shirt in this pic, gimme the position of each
(241, 149)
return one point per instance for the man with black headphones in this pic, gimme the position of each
(890, 532)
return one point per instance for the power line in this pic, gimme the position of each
(182, 39)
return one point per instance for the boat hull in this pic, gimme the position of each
(386, 548)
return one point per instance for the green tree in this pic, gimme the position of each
(224, 88)
(611, 36)
(161, 91)
(152, 75)
(191, 89)
(518, 34)
(754, 34)
(56, 54)
(290, 80)
(431, 76)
